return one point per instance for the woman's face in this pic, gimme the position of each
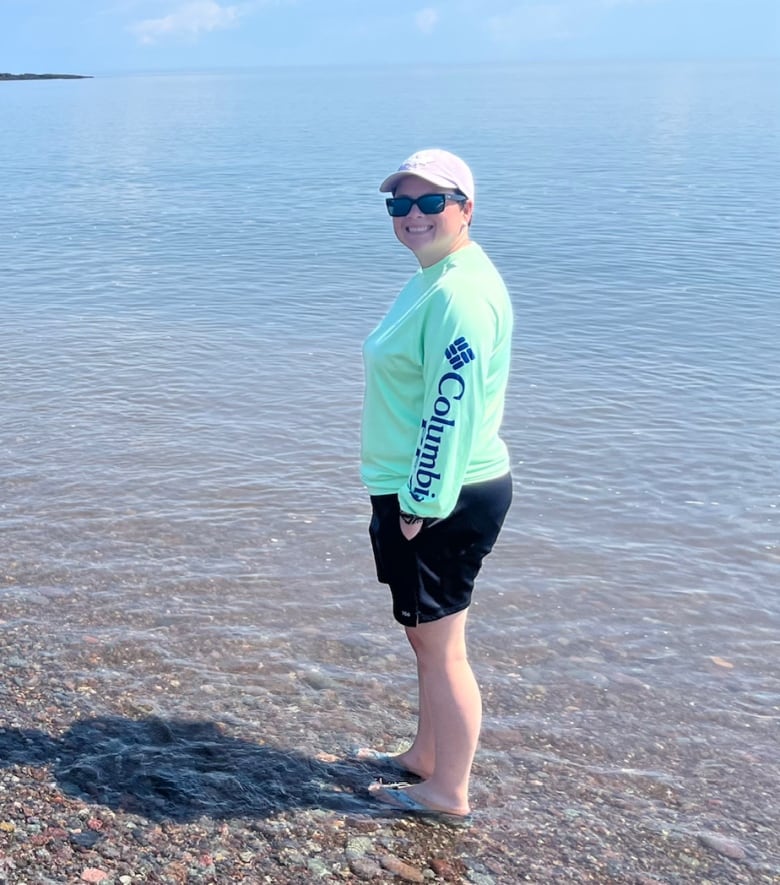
(431, 237)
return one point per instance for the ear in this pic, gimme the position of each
(467, 208)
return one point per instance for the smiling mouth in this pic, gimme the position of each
(418, 228)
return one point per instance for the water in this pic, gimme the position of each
(188, 266)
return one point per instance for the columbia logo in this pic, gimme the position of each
(459, 354)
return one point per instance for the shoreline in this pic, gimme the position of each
(46, 77)
(100, 783)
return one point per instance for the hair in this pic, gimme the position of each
(472, 203)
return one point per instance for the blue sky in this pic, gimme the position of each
(101, 36)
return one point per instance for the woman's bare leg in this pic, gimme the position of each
(450, 714)
(419, 758)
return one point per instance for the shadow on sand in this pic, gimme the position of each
(180, 770)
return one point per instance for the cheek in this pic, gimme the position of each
(398, 229)
(455, 224)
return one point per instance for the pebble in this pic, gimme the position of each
(364, 868)
(400, 868)
(85, 841)
(358, 846)
(317, 868)
(444, 869)
(563, 819)
(318, 681)
(93, 874)
(481, 878)
(723, 845)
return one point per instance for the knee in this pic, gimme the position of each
(439, 641)
(438, 654)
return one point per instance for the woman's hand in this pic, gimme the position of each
(410, 525)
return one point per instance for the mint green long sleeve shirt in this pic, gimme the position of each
(436, 370)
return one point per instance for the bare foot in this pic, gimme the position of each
(414, 799)
(402, 761)
(409, 763)
(431, 798)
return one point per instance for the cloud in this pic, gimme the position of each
(426, 19)
(189, 20)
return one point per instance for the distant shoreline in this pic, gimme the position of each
(45, 76)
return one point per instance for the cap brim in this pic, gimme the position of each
(390, 183)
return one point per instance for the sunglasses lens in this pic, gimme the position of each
(431, 204)
(399, 206)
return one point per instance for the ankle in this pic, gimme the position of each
(415, 762)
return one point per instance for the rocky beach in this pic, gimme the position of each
(97, 787)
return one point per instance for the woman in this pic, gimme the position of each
(434, 464)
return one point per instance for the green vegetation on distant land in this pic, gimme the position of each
(45, 76)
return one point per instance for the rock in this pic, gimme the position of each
(318, 680)
(364, 868)
(317, 868)
(723, 845)
(358, 846)
(85, 841)
(400, 868)
(445, 869)
(93, 874)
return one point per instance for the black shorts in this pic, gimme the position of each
(433, 575)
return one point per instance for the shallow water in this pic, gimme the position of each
(187, 270)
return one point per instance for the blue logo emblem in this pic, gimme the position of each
(459, 353)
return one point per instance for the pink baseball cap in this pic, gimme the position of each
(437, 166)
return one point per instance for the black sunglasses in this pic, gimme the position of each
(430, 204)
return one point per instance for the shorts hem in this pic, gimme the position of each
(430, 618)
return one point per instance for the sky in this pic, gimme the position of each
(111, 36)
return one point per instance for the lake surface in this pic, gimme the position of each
(188, 266)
